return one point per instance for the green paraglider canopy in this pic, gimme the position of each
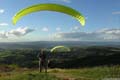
(49, 7)
(60, 49)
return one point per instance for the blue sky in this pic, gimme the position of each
(102, 21)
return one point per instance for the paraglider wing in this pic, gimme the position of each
(50, 7)
(60, 49)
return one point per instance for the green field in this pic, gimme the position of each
(95, 73)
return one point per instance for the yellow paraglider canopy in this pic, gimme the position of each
(49, 7)
(60, 49)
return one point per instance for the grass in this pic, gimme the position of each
(94, 73)
(27, 76)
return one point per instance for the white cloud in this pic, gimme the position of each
(75, 29)
(3, 24)
(21, 31)
(3, 34)
(117, 12)
(58, 29)
(104, 34)
(16, 32)
(2, 11)
(45, 29)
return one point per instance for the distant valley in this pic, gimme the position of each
(49, 44)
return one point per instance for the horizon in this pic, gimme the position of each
(64, 41)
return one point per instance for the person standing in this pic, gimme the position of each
(43, 60)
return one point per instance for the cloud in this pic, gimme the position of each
(117, 12)
(104, 34)
(16, 32)
(58, 29)
(45, 29)
(3, 34)
(76, 28)
(21, 31)
(2, 11)
(3, 24)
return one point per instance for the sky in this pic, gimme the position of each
(102, 21)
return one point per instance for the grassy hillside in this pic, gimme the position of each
(27, 75)
(94, 73)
